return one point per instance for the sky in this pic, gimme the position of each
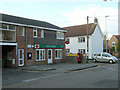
(65, 13)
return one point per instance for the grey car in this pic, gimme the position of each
(104, 57)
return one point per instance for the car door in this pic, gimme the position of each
(105, 57)
(99, 57)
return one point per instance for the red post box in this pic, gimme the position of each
(79, 57)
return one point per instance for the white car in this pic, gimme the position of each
(104, 57)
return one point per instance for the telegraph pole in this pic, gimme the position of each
(87, 39)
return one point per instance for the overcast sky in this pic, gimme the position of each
(65, 13)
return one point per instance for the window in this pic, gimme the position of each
(12, 27)
(82, 51)
(7, 32)
(35, 33)
(4, 26)
(42, 33)
(104, 55)
(113, 44)
(40, 54)
(21, 31)
(67, 51)
(98, 54)
(58, 53)
(60, 35)
(81, 39)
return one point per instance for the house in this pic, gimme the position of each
(112, 44)
(30, 42)
(77, 38)
(104, 46)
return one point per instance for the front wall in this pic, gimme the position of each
(74, 45)
(113, 39)
(49, 39)
(96, 44)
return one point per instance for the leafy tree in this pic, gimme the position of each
(118, 45)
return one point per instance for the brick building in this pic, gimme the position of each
(112, 44)
(30, 42)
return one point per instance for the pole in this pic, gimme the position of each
(106, 31)
(87, 39)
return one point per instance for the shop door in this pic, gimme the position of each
(21, 57)
(49, 54)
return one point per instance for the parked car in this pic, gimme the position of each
(104, 57)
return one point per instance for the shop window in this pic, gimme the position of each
(58, 53)
(40, 54)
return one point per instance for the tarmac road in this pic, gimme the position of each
(103, 76)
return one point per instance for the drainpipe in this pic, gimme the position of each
(26, 43)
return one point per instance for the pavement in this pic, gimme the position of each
(59, 67)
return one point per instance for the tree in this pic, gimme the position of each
(118, 45)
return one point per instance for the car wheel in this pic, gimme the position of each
(94, 60)
(110, 61)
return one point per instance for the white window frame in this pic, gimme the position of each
(14, 30)
(113, 43)
(39, 54)
(60, 35)
(60, 55)
(81, 51)
(67, 51)
(42, 33)
(80, 39)
(34, 30)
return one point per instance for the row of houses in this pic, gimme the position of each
(31, 42)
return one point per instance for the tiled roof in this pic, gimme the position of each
(21, 20)
(117, 36)
(80, 30)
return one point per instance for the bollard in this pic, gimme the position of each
(84, 59)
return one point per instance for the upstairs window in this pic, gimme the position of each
(42, 33)
(35, 33)
(113, 44)
(81, 39)
(21, 31)
(60, 35)
(4, 26)
(12, 27)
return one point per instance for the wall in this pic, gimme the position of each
(49, 39)
(113, 39)
(74, 45)
(96, 44)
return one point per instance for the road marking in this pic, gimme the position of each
(29, 80)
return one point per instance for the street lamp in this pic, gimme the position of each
(106, 29)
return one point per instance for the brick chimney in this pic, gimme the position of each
(95, 20)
